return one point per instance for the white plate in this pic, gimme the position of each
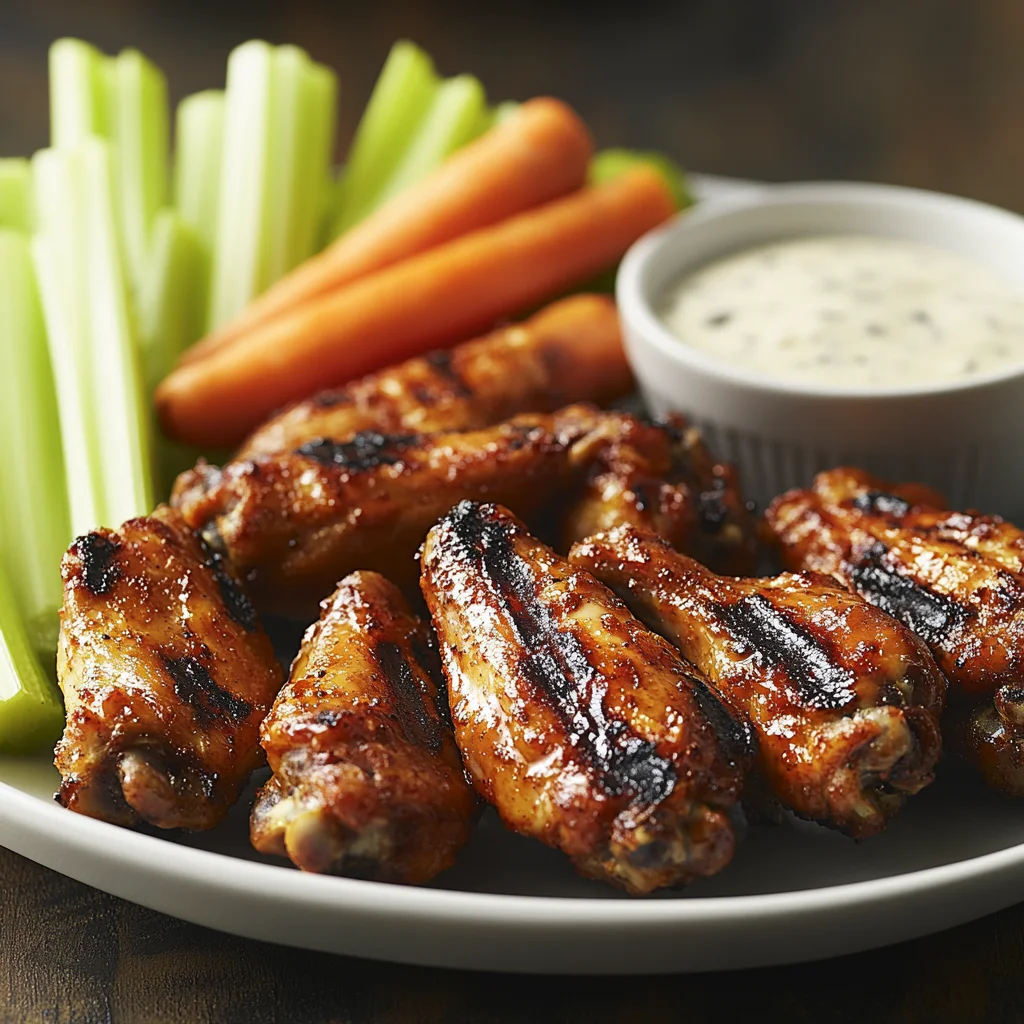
(795, 892)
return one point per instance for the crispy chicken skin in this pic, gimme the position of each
(166, 675)
(294, 524)
(367, 778)
(845, 701)
(584, 729)
(659, 476)
(569, 352)
(955, 578)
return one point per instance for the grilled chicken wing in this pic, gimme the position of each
(659, 476)
(584, 729)
(166, 676)
(845, 700)
(955, 578)
(367, 778)
(569, 352)
(294, 524)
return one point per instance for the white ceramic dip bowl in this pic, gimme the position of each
(964, 438)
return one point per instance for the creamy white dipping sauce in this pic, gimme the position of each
(851, 310)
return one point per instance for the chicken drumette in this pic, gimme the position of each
(294, 524)
(844, 699)
(166, 676)
(584, 729)
(955, 578)
(536, 366)
(367, 778)
(659, 476)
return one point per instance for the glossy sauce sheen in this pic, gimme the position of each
(583, 728)
(844, 700)
(851, 310)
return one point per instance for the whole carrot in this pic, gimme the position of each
(540, 153)
(436, 298)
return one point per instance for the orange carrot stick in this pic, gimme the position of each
(538, 154)
(436, 298)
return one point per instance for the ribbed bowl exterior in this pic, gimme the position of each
(966, 441)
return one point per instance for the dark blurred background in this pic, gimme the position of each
(919, 92)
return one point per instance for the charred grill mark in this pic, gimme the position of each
(930, 615)
(782, 644)
(883, 503)
(237, 602)
(441, 362)
(735, 732)
(417, 723)
(196, 687)
(367, 450)
(556, 664)
(332, 399)
(98, 553)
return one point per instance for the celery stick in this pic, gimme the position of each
(291, 131)
(137, 126)
(456, 115)
(316, 190)
(59, 256)
(31, 713)
(76, 92)
(103, 416)
(15, 194)
(34, 523)
(239, 248)
(610, 163)
(401, 97)
(197, 161)
(120, 401)
(171, 301)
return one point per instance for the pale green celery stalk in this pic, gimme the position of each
(301, 115)
(456, 116)
(610, 163)
(34, 523)
(15, 194)
(116, 377)
(59, 254)
(137, 126)
(77, 92)
(238, 253)
(401, 97)
(94, 352)
(199, 147)
(31, 713)
(171, 304)
(316, 192)
(172, 315)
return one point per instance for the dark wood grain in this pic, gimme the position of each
(924, 92)
(71, 955)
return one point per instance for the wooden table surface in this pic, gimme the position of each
(928, 93)
(72, 955)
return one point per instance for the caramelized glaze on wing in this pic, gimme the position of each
(584, 729)
(569, 352)
(845, 700)
(955, 578)
(166, 675)
(294, 524)
(659, 476)
(367, 778)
